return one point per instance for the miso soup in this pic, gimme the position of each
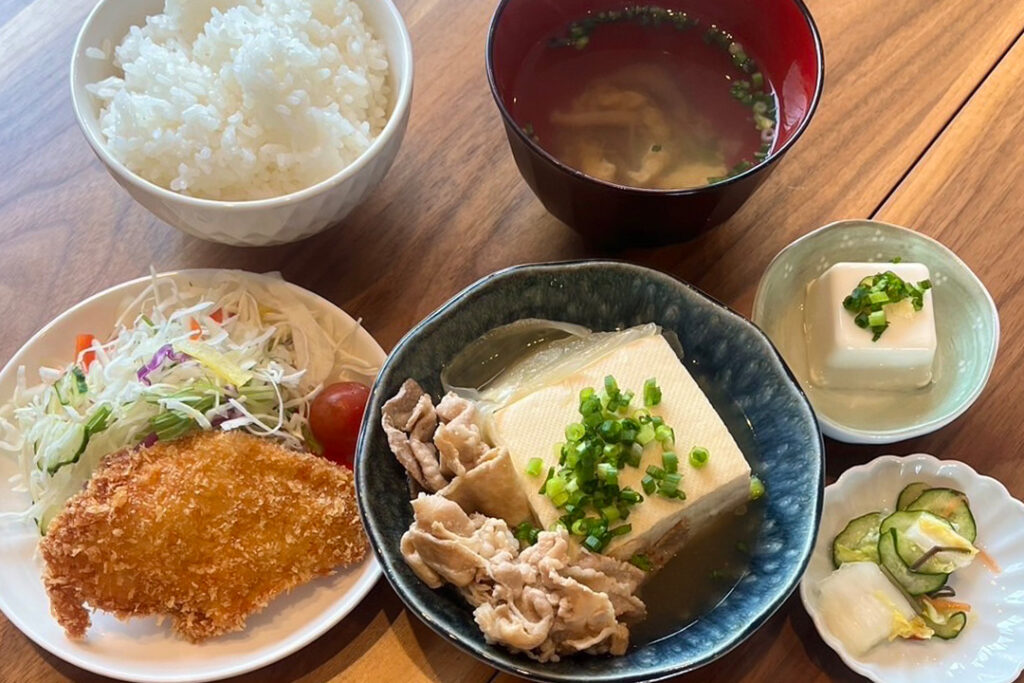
(647, 97)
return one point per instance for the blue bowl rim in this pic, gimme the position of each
(506, 115)
(473, 647)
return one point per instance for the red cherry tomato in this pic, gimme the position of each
(335, 417)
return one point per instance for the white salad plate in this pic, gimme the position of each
(142, 649)
(991, 647)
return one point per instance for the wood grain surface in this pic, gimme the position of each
(921, 125)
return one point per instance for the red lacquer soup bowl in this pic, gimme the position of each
(779, 35)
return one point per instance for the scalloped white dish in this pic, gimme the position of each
(991, 647)
(142, 649)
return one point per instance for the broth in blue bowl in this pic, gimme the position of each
(747, 384)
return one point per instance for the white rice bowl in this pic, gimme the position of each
(244, 99)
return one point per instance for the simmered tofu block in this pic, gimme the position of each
(534, 427)
(842, 355)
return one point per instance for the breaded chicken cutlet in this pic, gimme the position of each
(207, 530)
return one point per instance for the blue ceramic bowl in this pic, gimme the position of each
(732, 361)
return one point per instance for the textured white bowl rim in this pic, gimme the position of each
(932, 463)
(370, 568)
(841, 432)
(390, 129)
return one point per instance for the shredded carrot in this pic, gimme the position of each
(83, 344)
(989, 562)
(944, 605)
(218, 316)
(197, 331)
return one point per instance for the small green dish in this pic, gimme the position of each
(966, 319)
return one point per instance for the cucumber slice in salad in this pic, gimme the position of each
(858, 542)
(952, 506)
(915, 583)
(65, 442)
(951, 629)
(62, 444)
(71, 388)
(910, 493)
(909, 551)
(944, 626)
(43, 522)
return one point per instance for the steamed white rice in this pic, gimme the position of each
(244, 99)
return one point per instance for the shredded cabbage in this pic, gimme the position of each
(236, 353)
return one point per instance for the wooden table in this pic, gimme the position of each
(921, 124)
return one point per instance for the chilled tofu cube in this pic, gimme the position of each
(842, 355)
(534, 426)
(862, 608)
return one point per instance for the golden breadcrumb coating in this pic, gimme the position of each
(207, 529)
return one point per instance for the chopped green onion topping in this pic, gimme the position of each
(579, 527)
(634, 455)
(756, 488)
(574, 432)
(630, 497)
(670, 485)
(646, 434)
(585, 486)
(608, 473)
(526, 533)
(665, 435)
(610, 430)
(551, 473)
(699, 457)
(656, 472)
(641, 562)
(878, 297)
(652, 393)
(534, 467)
(868, 298)
(670, 461)
(610, 514)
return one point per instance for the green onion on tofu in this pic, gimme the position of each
(534, 467)
(656, 472)
(526, 533)
(699, 457)
(641, 562)
(652, 393)
(670, 461)
(585, 486)
(867, 300)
